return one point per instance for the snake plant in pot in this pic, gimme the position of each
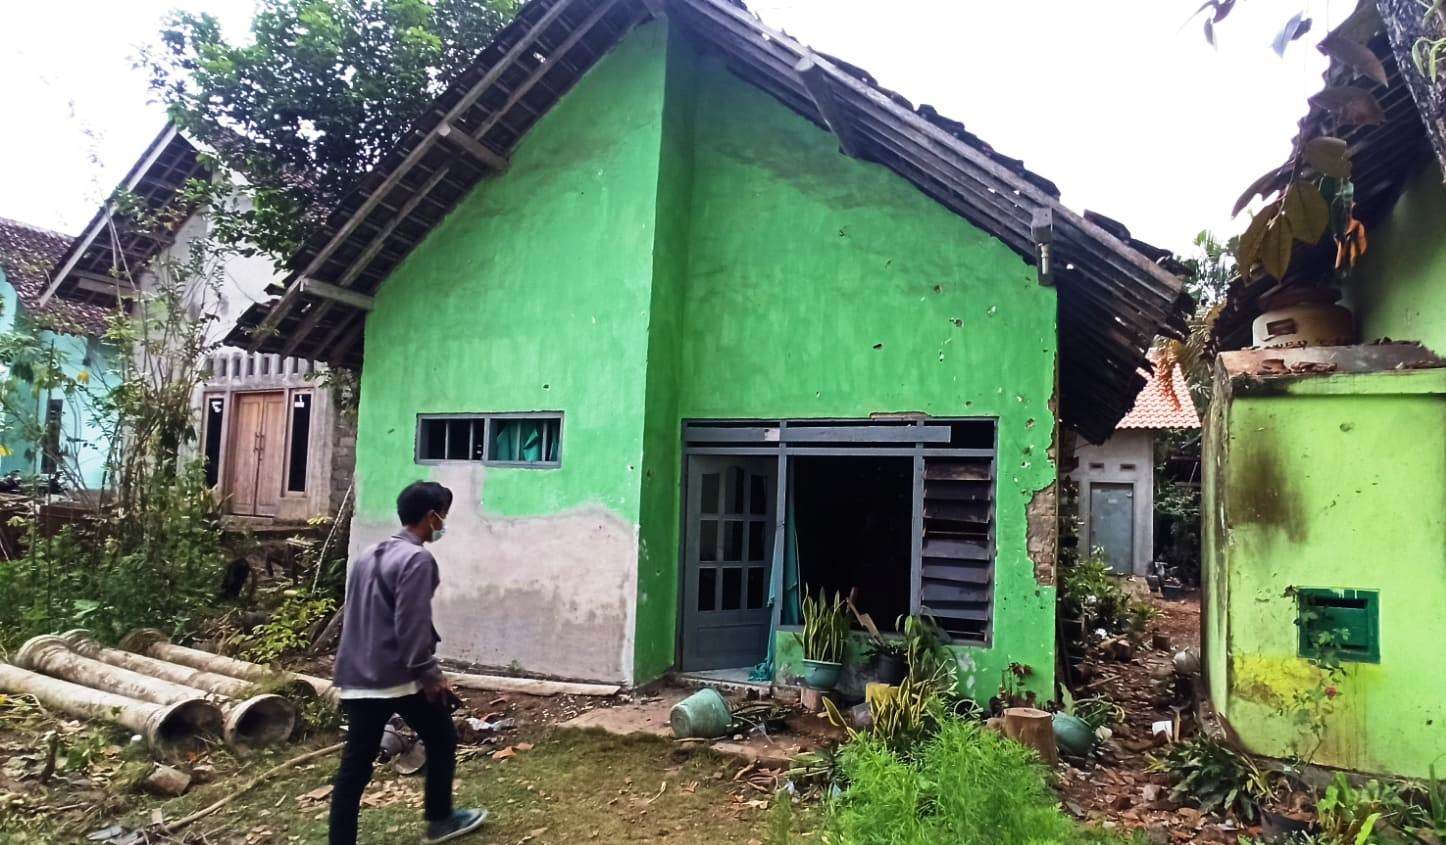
(824, 638)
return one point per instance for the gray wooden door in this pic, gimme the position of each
(1112, 524)
(728, 549)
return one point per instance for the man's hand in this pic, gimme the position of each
(437, 691)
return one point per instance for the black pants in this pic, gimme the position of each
(366, 719)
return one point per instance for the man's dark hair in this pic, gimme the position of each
(421, 498)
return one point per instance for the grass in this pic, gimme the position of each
(572, 786)
(964, 786)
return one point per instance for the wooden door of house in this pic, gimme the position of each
(258, 449)
(728, 550)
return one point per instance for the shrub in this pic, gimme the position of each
(964, 785)
(1215, 776)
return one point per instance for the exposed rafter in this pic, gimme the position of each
(816, 81)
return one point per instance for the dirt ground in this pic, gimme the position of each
(1116, 790)
(541, 783)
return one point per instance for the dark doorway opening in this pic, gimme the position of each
(854, 520)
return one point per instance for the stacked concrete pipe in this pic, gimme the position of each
(50, 655)
(251, 720)
(153, 643)
(165, 727)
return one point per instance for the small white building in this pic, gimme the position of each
(276, 444)
(1117, 478)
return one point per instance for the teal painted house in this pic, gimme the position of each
(45, 430)
(1324, 496)
(690, 318)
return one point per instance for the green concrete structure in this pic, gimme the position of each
(678, 270)
(1336, 481)
(71, 334)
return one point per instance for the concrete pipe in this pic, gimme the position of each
(154, 643)
(251, 720)
(165, 727)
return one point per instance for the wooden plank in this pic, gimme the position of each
(971, 614)
(957, 471)
(956, 549)
(730, 434)
(553, 59)
(456, 135)
(935, 591)
(815, 80)
(867, 434)
(958, 491)
(529, 686)
(955, 511)
(934, 570)
(325, 290)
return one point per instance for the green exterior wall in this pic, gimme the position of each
(670, 243)
(1399, 288)
(83, 434)
(534, 294)
(1333, 481)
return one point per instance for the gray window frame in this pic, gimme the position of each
(487, 420)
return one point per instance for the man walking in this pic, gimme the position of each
(387, 665)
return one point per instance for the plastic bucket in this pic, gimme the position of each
(704, 714)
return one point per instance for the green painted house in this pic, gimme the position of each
(1324, 498)
(47, 430)
(689, 316)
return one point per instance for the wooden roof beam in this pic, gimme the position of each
(288, 300)
(815, 81)
(456, 135)
(318, 289)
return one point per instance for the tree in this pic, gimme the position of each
(314, 100)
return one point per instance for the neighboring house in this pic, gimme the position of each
(1324, 498)
(74, 438)
(676, 353)
(1116, 478)
(275, 444)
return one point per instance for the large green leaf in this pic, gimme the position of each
(1329, 155)
(1248, 252)
(1354, 55)
(1306, 210)
(1350, 104)
(1275, 247)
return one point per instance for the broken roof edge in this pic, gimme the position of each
(67, 261)
(1125, 291)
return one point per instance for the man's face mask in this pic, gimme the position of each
(440, 529)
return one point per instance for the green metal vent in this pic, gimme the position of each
(1344, 624)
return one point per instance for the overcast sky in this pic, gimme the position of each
(1119, 102)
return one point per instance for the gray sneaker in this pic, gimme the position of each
(459, 824)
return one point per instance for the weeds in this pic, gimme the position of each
(288, 631)
(1090, 592)
(962, 786)
(1215, 776)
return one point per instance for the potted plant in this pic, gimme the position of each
(824, 638)
(891, 662)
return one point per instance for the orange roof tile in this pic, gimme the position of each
(1155, 408)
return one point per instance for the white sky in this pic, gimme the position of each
(1128, 111)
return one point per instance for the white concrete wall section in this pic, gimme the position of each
(1126, 458)
(554, 595)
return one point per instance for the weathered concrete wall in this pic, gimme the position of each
(534, 294)
(84, 433)
(1335, 481)
(1397, 290)
(1128, 457)
(819, 286)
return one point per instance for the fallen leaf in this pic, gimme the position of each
(318, 794)
(523, 746)
(504, 754)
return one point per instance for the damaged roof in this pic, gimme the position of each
(1115, 293)
(27, 254)
(109, 249)
(1384, 156)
